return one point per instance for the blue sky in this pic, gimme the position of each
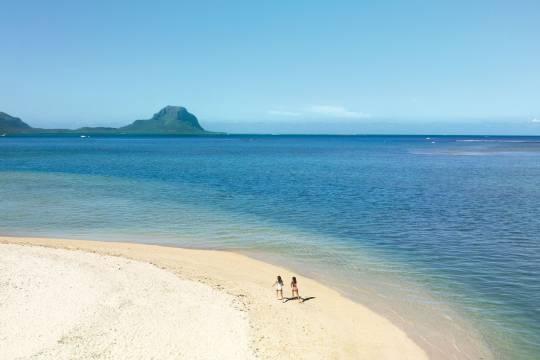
(276, 66)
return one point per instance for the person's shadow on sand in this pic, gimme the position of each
(287, 299)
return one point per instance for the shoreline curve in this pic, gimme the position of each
(328, 326)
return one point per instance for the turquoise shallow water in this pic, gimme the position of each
(439, 234)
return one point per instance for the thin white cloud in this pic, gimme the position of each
(320, 111)
(284, 113)
(336, 112)
(535, 120)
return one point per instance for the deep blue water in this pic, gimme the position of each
(408, 225)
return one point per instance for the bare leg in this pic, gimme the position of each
(295, 294)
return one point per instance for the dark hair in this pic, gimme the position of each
(279, 280)
(294, 279)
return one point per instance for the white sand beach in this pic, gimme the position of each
(66, 299)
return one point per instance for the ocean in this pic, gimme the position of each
(441, 234)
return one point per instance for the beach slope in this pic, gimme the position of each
(105, 300)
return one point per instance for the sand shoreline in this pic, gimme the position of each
(329, 326)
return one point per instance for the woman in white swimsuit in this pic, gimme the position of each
(278, 285)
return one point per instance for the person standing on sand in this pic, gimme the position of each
(279, 288)
(294, 289)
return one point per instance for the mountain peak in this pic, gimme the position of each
(170, 119)
(170, 109)
(177, 112)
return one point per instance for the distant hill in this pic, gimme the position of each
(171, 120)
(10, 124)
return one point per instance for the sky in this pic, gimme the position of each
(411, 66)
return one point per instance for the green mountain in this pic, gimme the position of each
(171, 120)
(10, 124)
